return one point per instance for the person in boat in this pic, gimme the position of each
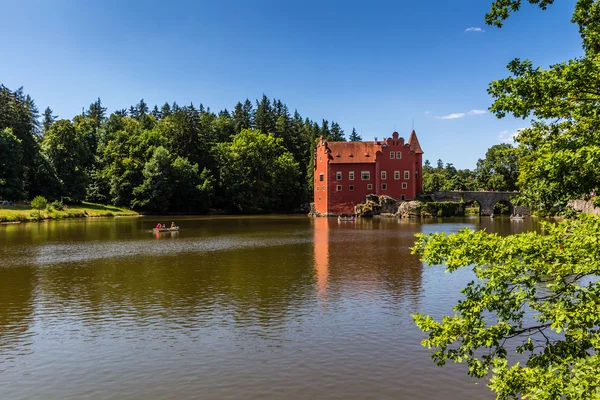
(173, 225)
(163, 226)
(158, 226)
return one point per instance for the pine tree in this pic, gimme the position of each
(156, 112)
(48, 119)
(142, 108)
(165, 111)
(133, 112)
(96, 112)
(264, 119)
(354, 136)
(337, 134)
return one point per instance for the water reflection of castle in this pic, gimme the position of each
(367, 256)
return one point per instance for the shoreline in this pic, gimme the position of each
(24, 213)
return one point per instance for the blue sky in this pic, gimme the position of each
(373, 65)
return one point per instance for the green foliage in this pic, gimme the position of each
(66, 150)
(193, 191)
(536, 294)
(257, 173)
(11, 166)
(560, 152)
(155, 193)
(446, 178)
(444, 208)
(39, 203)
(58, 205)
(499, 169)
(501, 208)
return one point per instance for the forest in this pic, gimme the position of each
(183, 159)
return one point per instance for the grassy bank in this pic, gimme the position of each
(83, 210)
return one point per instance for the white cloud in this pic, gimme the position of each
(452, 116)
(460, 115)
(477, 112)
(474, 29)
(508, 136)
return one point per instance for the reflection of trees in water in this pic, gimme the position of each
(367, 257)
(248, 287)
(17, 287)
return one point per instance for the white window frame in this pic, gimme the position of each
(338, 175)
(397, 175)
(398, 155)
(322, 177)
(369, 186)
(351, 175)
(383, 175)
(406, 175)
(338, 188)
(365, 173)
(392, 155)
(404, 185)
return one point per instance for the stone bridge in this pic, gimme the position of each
(486, 200)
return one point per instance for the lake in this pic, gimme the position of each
(263, 307)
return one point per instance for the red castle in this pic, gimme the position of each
(346, 172)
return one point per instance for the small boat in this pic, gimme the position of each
(517, 218)
(176, 229)
(346, 218)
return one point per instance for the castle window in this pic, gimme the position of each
(320, 159)
(399, 155)
(392, 154)
(384, 186)
(338, 176)
(369, 187)
(351, 175)
(403, 198)
(365, 175)
(406, 174)
(321, 177)
(396, 175)
(383, 175)
(404, 185)
(323, 187)
(351, 187)
(319, 199)
(338, 188)
(317, 188)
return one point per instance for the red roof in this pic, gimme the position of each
(413, 143)
(352, 152)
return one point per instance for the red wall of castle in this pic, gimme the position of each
(329, 200)
(320, 187)
(343, 201)
(407, 163)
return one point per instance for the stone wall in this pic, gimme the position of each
(586, 207)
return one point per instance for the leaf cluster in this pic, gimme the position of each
(536, 296)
